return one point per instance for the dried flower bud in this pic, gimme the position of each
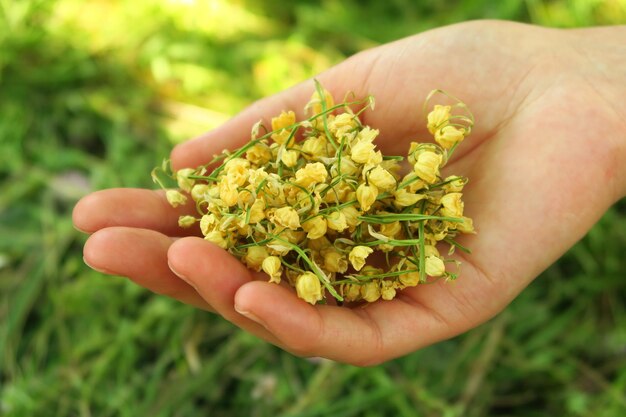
(289, 158)
(351, 292)
(228, 192)
(357, 256)
(370, 291)
(337, 221)
(387, 290)
(207, 223)
(259, 154)
(311, 174)
(381, 178)
(363, 151)
(308, 287)
(452, 205)
(454, 184)
(448, 136)
(435, 266)
(216, 237)
(466, 226)
(286, 217)
(403, 198)
(314, 106)
(272, 267)
(314, 148)
(199, 192)
(334, 261)
(285, 119)
(257, 211)
(175, 198)
(427, 166)
(366, 196)
(438, 118)
(186, 221)
(315, 227)
(255, 256)
(410, 279)
(182, 178)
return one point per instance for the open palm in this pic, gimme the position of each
(543, 163)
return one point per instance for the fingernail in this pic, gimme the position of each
(101, 270)
(181, 276)
(249, 315)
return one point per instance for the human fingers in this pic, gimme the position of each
(216, 275)
(140, 255)
(363, 335)
(131, 207)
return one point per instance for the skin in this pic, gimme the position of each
(544, 162)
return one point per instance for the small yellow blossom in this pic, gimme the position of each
(345, 167)
(315, 147)
(387, 290)
(466, 226)
(435, 266)
(363, 151)
(410, 279)
(207, 223)
(381, 178)
(314, 106)
(175, 198)
(287, 217)
(285, 119)
(403, 198)
(366, 195)
(257, 211)
(351, 292)
(255, 256)
(289, 158)
(186, 221)
(334, 261)
(315, 227)
(182, 178)
(259, 154)
(438, 118)
(427, 166)
(337, 221)
(357, 256)
(199, 192)
(309, 288)
(454, 184)
(448, 136)
(342, 124)
(370, 292)
(390, 229)
(237, 171)
(228, 192)
(452, 205)
(216, 237)
(312, 173)
(272, 267)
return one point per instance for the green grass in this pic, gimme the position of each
(88, 102)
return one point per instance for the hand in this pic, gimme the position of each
(544, 163)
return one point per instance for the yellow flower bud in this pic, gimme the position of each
(381, 178)
(410, 279)
(467, 226)
(357, 256)
(448, 136)
(370, 291)
(434, 266)
(454, 184)
(367, 134)
(255, 256)
(236, 171)
(272, 267)
(175, 198)
(390, 229)
(315, 147)
(438, 118)
(347, 167)
(285, 119)
(334, 261)
(342, 124)
(387, 290)
(337, 221)
(403, 198)
(319, 243)
(228, 192)
(362, 151)
(452, 205)
(366, 195)
(315, 227)
(314, 106)
(207, 223)
(216, 237)
(183, 180)
(259, 154)
(186, 221)
(309, 288)
(427, 166)
(289, 158)
(311, 174)
(199, 192)
(257, 211)
(286, 217)
(351, 292)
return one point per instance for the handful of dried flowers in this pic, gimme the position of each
(313, 202)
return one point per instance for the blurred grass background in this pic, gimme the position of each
(94, 94)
